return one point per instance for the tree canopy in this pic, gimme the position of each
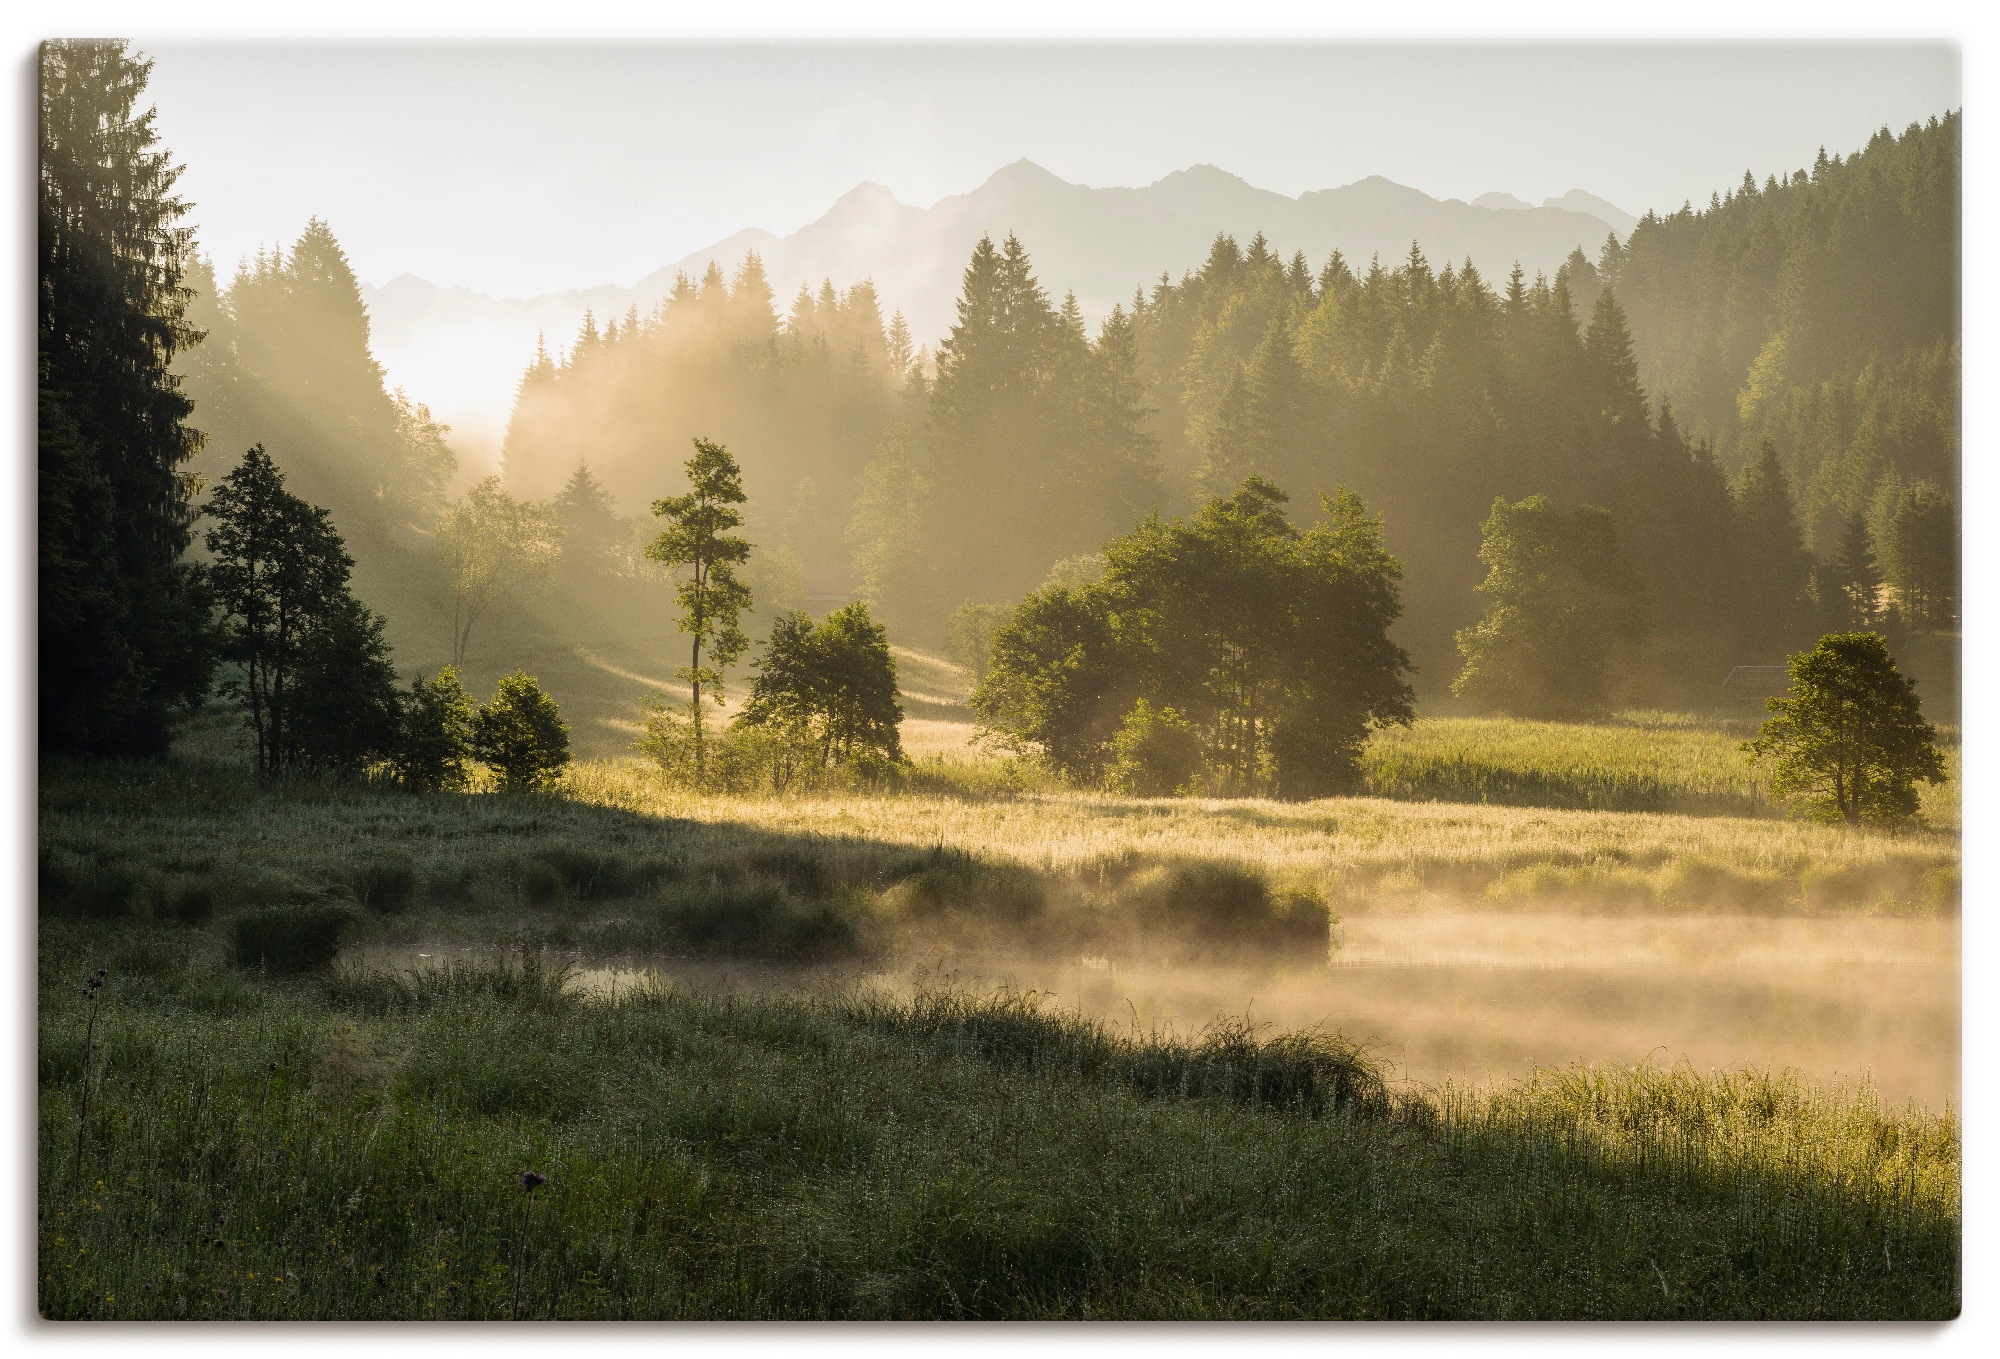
(1849, 741)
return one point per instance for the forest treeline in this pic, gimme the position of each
(1760, 397)
(1763, 394)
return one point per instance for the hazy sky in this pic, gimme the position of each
(517, 171)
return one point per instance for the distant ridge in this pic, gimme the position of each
(1098, 243)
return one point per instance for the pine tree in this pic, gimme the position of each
(280, 575)
(712, 599)
(901, 351)
(123, 622)
(1855, 572)
(1777, 568)
(590, 528)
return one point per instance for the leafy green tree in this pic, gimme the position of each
(435, 743)
(1849, 741)
(1155, 753)
(1057, 684)
(346, 714)
(417, 479)
(836, 680)
(520, 734)
(495, 549)
(279, 572)
(712, 599)
(968, 636)
(1270, 642)
(1563, 607)
(123, 622)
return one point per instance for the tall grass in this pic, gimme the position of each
(355, 1148)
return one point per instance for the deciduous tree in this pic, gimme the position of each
(1849, 741)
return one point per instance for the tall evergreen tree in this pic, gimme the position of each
(280, 574)
(589, 524)
(1774, 612)
(123, 622)
(698, 537)
(1855, 573)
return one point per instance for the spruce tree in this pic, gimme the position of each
(588, 523)
(1777, 568)
(1855, 572)
(295, 636)
(123, 622)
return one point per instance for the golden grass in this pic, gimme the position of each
(1370, 852)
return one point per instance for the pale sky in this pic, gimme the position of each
(517, 171)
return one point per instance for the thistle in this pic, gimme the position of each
(531, 1180)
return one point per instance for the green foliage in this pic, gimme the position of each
(1056, 685)
(834, 683)
(122, 622)
(968, 636)
(1155, 753)
(1034, 447)
(1273, 643)
(1921, 554)
(494, 548)
(520, 734)
(348, 714)
(1818, 310)
(1849, 741)
(310, 663)
(1205, 914)
(435, 742)
(712, 599)
(592, 533)
(1856, 576)
(291, 939)
(1564, 609)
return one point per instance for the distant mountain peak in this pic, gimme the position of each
(1576, 200)
(1502, 202)
(1022, 173)
(869, 194)
(1098, 242)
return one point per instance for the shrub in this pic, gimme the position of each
(953, 883)
(520, 733)
(436, 727)
(1207, 912)
(757, 917)
(385, 885)
(291, 939)
(1156, 753)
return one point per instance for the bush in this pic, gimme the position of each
(1156, 753)
(953, 883)
(436, 728)
(70, 884)
(520, 733)
(1198, 913)
(556, 871)
(291, 939)
(757, 917)
(385, 885)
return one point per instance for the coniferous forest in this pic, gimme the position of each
(842, 823)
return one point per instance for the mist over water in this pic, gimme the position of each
(1480, 998)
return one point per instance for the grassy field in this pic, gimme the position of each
(355, 1146)
(1634, 762)
(268, 1135)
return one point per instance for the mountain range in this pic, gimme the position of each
(463, 351)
